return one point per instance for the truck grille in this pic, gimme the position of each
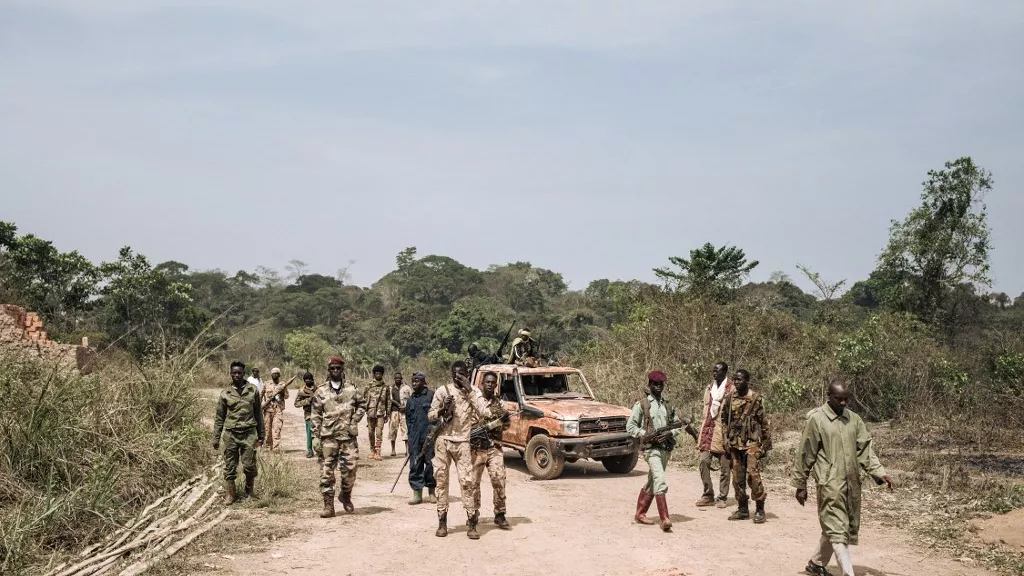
(602, 425)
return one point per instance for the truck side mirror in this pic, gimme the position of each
(535, 412)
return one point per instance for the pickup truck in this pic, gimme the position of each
(556, 419)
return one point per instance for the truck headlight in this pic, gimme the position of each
(571, 427)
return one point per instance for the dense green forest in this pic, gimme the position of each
(922, 329)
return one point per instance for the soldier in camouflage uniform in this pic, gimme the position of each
(378, 401)
(491, 457)
(748, 439)
(337, 409)
(465, 409)
(239, 416)
(272, 399)
(304, 400)
(400, 392)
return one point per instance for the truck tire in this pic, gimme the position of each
(542, 460)
(621, 464)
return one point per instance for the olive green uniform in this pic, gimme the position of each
(240, 419)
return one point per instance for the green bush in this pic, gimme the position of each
(79, 454)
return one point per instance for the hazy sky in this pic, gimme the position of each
(592, 137)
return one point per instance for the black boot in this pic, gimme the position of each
(742, 512)
(471, 526)
(759, 513)
(250, 481)
(442, 525)
(501, 522)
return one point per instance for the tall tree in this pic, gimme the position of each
(942, 243)
(709, 272)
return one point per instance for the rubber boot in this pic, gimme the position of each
(471, 526)
(643, 504)
(666, 523)
(442, 525)
(417, 497)
(229, 492)
(501, 522)
(250, 481)
(346, 500)
(309, 453)
(759, 513)
(328, 506)
(431, 497)
(742, 512)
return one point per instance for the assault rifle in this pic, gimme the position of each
(282, 389)
(649, 439)
(498, 353)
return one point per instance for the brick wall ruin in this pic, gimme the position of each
(23, 331)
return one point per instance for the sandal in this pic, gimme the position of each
(816, 570)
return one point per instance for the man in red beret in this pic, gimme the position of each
(655, 423)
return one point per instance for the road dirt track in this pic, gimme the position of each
(580, 523)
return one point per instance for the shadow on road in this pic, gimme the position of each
(580, 469)
(487, 525)
(865, 571)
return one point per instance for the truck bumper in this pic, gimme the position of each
(598, 446)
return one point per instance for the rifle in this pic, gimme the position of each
(647, 439)
(400, 473)
(504, 341)
(433, 433)
(264, 405)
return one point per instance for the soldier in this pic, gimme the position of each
(479, 357)
(649, 414)
(488, 454)
(272, 399)
(254, 379)
(421, 471)
(464, 408)
(304, 399)
(238, 415)
(748, 440)
(337, 409)
(710, 443)
(378, 410)
(400, 391)
(834, 448)
(523, 351)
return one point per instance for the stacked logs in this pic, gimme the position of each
(162, 529)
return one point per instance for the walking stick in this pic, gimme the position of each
(400, 473)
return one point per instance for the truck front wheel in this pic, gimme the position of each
(620, 464)
(542, 460)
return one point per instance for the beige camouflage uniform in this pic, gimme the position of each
(334, 420)
(397, 427)
(453, 445)
(378, 405)
(491, 459)
(273, 411)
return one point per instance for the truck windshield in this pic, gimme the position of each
(554, 386)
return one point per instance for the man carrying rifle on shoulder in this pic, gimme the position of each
(421, 449)
(655, 423)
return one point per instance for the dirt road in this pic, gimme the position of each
(578, 524)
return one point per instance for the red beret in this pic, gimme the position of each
(335, 360)
(656, 376)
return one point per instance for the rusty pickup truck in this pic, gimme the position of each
(556, 419)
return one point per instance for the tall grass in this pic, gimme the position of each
(79, 454)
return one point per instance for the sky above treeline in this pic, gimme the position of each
(592, 137)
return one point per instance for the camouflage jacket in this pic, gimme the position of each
(304, 399)
(378, 399)
(744, 424)
(467, 408)
(273, 396)
(494, 411)
(336, 414)
(238, 410)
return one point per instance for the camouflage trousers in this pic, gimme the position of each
(657, 461)
(746, 469)
(375, 429)
(446, 452)
(273, 423)
(397, 429)
(239, 446)
(340, 454)
(493, 460)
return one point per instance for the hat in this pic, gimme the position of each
(524, 332)
(335, 360)
(419, 376)
(656, 376)
(275, 370)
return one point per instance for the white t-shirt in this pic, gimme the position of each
(256, 382)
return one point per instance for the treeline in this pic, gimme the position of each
(921, 326)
